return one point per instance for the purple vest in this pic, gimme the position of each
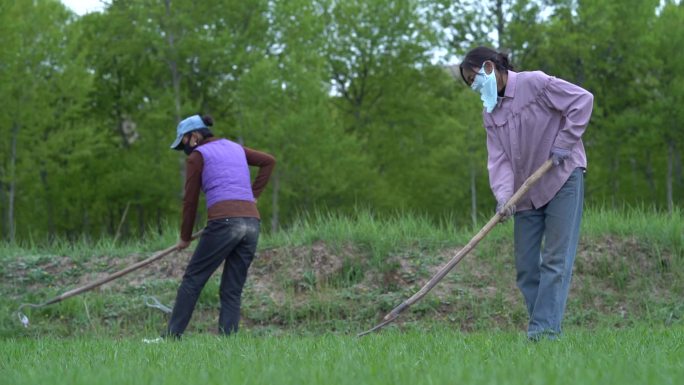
(225, 175)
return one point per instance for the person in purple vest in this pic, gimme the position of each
(530, 117)
(220, 168)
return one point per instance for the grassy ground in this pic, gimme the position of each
(632, 356)
(340, 274)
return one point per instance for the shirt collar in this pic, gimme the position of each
(510, 84)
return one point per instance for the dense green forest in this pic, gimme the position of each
(355, 98)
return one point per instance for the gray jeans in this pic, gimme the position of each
(233, 240)
(545, 245)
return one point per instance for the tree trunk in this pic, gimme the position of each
(499, 22)
(650, 177)
(3, 224)
(159, 220)
(124, 225)
(668, 178)
(615, 166)
(473, 196)
(678, 177)
(635, 174)
(141, 219)
(12, 182)
(275, 213)
(172, 62)
(110, 221)
(122, 221)
(85, 230)
(48, 203)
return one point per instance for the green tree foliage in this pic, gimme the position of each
(348, 95)
(620, 51)
(615, 50)
(48, 138)
(666, 86)
(404, 110)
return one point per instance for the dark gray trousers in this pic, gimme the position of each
(233, 240)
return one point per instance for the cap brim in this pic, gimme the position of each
(177, 143)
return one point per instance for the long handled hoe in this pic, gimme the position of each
(92, 285)
(391, 316)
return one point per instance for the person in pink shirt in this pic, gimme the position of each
(530, 117)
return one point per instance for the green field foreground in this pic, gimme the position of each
(636, 355)
(328, 277)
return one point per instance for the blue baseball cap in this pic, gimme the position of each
(186, 125)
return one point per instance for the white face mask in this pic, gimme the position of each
(486, 86)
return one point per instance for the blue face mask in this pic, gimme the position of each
(486, 86)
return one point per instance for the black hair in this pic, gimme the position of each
(476, 56)
(207, 119)
(208, 122)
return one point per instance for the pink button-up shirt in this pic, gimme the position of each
(537, 112)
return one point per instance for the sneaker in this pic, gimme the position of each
(547, 335)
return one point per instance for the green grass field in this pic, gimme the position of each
(328, 277)
(633, 356)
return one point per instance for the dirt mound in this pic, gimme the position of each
(611, 253)
(324, 284)
(304, 269)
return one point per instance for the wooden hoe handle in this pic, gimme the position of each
(90, 286)
(391, 316)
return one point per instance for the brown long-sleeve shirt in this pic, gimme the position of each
(224, 209)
